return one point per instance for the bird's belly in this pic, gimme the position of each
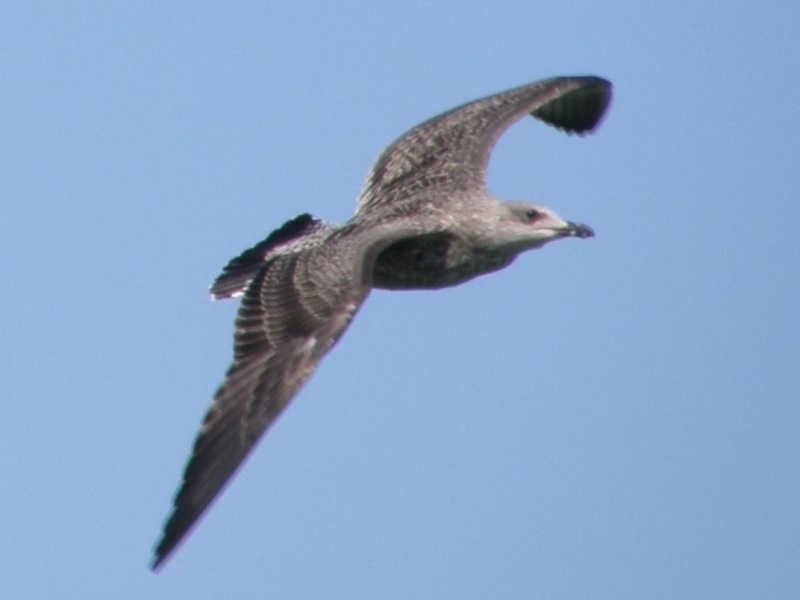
(433, 262)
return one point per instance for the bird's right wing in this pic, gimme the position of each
(293, 311)
(451, 152)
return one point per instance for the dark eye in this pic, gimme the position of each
(532, 214)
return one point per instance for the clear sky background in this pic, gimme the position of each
(608, 418)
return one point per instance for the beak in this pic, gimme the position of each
(578, 230)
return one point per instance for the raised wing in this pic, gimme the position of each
(294, 310)
(451, 152)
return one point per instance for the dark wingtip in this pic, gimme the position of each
(579, 110)
(176, 528)
(155, 563)
(163, 549)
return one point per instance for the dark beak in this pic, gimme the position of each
(579, 230)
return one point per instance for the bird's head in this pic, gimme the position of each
(524, 226)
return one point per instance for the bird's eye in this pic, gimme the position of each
(532, 215)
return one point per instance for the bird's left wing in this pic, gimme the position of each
(293, 311)
(450, 152)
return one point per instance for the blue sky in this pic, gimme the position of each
(607, 418)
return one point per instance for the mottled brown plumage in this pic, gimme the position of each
(424, 220)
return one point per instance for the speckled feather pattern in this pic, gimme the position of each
(424, 219)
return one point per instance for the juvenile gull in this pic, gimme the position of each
(424, 220)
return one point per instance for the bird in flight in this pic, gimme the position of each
(424, 220)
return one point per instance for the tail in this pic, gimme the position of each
(238, 273)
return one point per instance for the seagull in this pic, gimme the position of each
(424, 220)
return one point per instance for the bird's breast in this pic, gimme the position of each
(433, 261)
